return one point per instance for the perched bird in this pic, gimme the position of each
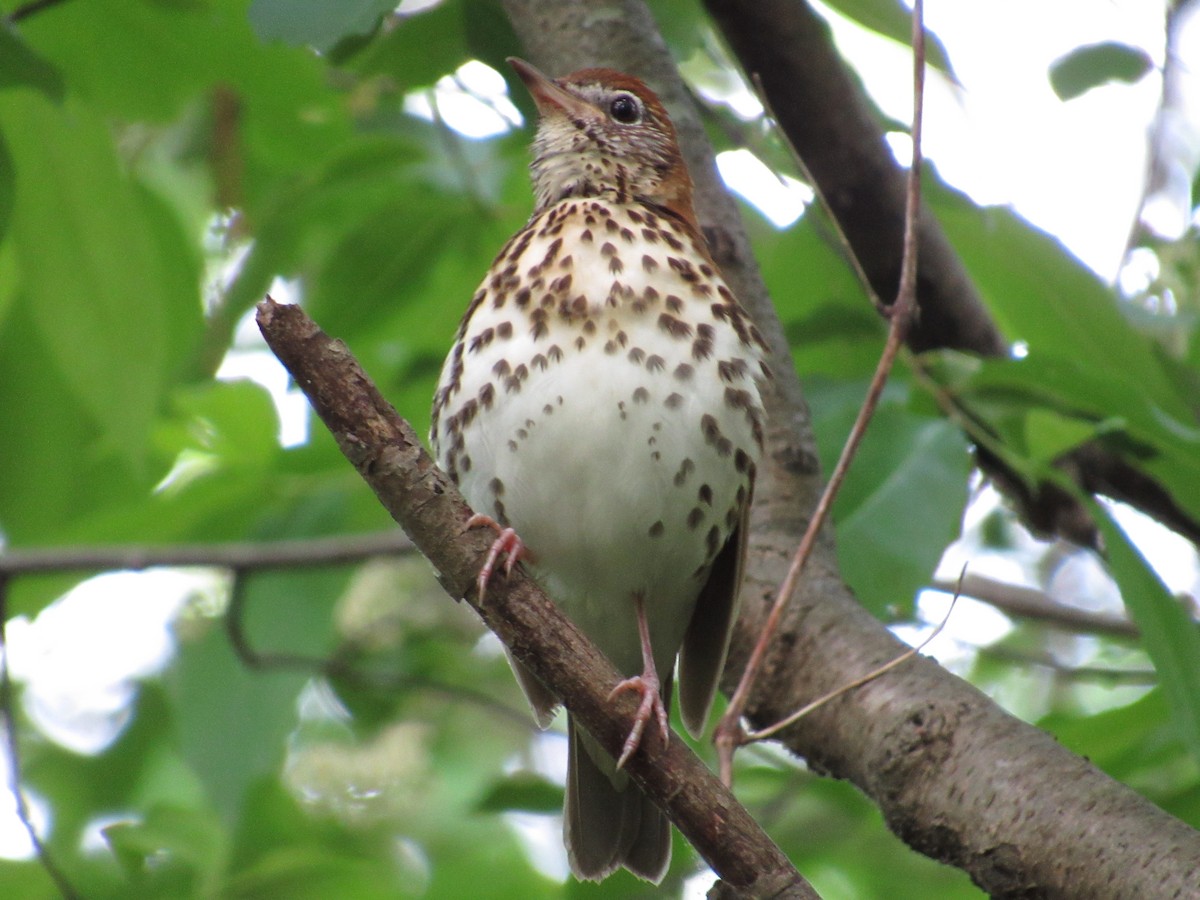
(600, 408)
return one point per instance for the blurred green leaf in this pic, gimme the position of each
(1059, 309)
(20, 66)
(173, 851)
(1049, 435)
(28, 880)
(420, 49)
(1169, 633)
(1091, 66)
(904, 463)
(894, 20)
(231, 745)
(829, 324)
(315, 23)
(523, 792)
(100, 280)
(58, 464)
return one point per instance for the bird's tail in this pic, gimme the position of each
(607, 821)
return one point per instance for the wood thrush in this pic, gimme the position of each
(601, 402)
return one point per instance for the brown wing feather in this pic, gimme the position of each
(702, 656)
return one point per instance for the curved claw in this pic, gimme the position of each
(508, 543)
(651, 706)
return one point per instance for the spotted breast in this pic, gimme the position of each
(601, 402)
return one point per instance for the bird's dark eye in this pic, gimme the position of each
(625, 109)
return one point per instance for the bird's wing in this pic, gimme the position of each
(702, 657)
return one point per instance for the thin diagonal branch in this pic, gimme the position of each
(903, 311)
(12, 748)
(390, 458)
(820, 105)
(1031, 603)
(952, 774)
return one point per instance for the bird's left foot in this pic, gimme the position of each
(651, 707)
(508, 544)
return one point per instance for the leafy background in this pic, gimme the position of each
(164, 164)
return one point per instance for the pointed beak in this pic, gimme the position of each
(550, 98)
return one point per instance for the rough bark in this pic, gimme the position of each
(389, 456)
(954, 775)
(822, 110)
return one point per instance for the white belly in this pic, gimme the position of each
(614, 449)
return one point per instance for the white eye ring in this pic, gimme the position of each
(625, 108)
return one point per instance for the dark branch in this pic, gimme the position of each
(903, 312)
(822, 110)
(936, 755)
(388, 455)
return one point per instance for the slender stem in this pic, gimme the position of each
(241, 555)
(1032, 603)
(803, 711)
(729, 732)
(802, 167)
(13, 749)
(334, 668)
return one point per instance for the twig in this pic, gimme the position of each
(764, 733)
(389, 456)
(1031, 603)
(240, 555)
(729, 734)
(340, 669)
(798, 161)
(12, 746)
(1076, 673)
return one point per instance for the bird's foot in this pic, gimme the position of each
(646, 684)
(507, 544)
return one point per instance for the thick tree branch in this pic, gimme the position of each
(388, 455)
(822, 110)
(954, 775)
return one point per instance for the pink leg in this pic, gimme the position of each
(507, 542)
(646, 684)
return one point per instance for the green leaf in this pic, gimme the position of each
(905, 463)
(1049, 435)
(8, 279)
(27, 880)
(20, 66)
(829, 324)
(1169, 634)
(316, 23)
(523, 792)
(1084, 68)
(1041, 407)
(420, 49)
(99, 277)
(173, 850)
(57, 466)
(1052, 303)
(232, 745)
(234, 421)
(894, 20)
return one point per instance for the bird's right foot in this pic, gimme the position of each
(507, 544)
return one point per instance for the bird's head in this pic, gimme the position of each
(601, 132)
